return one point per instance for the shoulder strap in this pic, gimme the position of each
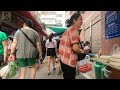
(28, 38)
(81, 45)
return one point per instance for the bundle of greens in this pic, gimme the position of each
(13, 68)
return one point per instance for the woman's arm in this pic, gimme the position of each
(39, 47)
(5, 46)
(46, 50)
(76, 48)
(14, 45)
(13, 48)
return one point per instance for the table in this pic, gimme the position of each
(98, 60)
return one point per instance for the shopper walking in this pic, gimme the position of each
(26, 52)
(51, 50)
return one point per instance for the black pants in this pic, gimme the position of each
(43, 56)
(68, 72)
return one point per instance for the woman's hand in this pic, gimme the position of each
(11, 57)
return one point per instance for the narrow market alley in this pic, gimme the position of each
(42, 73)
(85, 43)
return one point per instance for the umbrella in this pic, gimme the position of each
(57, 29)
(49, 31)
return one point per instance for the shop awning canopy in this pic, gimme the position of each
(27, 14)
(57, 29)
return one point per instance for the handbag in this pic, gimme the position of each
(81, 56)
(30, 42)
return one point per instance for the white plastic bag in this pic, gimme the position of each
(115, 56)
(4, 71)
(84, 65)
(82, 62)
(115, 50)
(9, 71)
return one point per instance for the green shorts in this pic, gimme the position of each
(26, 62)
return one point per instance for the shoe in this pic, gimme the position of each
(56, 60)
(59, 72)
(54, 68)
(48, 72)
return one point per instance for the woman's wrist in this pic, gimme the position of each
(12, 53)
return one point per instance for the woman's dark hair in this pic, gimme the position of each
(87, 43)
(75, 16)
(28, 22)
(50, 37)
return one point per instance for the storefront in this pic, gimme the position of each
(110, 38)
(105, 35)
(108, 64)
(9, 26)
(92, 29)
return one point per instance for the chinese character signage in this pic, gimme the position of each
(112, 24)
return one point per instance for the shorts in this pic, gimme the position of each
(26, 62)
(51, 52)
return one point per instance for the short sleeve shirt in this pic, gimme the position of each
(52, 44)
(67, 55)
(24, 47)
(3, 37)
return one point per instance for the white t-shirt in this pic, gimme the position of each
(52, 44)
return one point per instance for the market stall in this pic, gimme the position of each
(110, 45)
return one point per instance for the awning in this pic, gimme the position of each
(57, 29)
(27, 14)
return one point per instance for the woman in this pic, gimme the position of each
(51, 50)
(69, 47)
(3, 48)
(26, 52)
(88, 47)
